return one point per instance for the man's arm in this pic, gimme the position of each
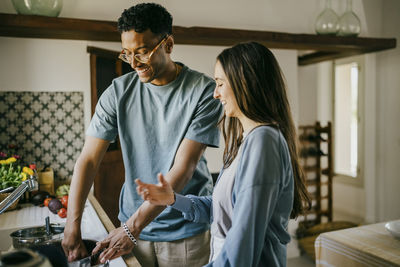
(118, 243)
(185, 162)
(84, 172)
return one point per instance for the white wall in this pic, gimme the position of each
(376, 199)
(388, 122)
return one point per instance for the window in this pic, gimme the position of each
(348, 122)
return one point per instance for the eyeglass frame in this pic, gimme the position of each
(129, 59)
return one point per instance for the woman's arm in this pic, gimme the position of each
(194, 208)
(245, 240)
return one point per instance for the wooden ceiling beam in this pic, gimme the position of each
(325, 47)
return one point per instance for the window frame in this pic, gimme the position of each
(342, 178)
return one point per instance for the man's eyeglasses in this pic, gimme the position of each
(142, 58)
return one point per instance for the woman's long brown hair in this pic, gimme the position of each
(260, 91)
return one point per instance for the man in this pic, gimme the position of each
(165, 116)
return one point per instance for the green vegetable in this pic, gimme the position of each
(62, 190)
(10, 176)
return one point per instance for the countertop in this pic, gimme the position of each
(95, 225)
(130, 260)
(367, 245)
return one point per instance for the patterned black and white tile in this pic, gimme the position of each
(46, 127)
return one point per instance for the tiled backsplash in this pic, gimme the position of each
(47, 127)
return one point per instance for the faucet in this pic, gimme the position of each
(30, 184)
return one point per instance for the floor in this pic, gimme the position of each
(294, 259)
(301, 261)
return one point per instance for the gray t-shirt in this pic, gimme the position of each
(151, 122)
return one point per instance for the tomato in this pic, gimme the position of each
(64, 201)
(46, 201)
(62, 212)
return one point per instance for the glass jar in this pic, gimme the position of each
(349, 23)
(50, 8)
(327, 21)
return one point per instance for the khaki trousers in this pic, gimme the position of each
(192, 251)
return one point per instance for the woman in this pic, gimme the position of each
(261, 183)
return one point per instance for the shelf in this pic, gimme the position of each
(316, 183)
(311, 169)
(318, 198)
(322, 47)
(318, 186)
(316, 212)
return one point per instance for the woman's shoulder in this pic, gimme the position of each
(263, 136)
(264, 156)
(265, 143)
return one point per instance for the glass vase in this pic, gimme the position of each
(327, 21)
(51, 8)
(349, 23)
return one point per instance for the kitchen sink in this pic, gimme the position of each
(32, 216)
(54, 253)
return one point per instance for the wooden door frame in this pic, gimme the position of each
(113, 157)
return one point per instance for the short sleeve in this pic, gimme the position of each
(203, 127)
(104, 121)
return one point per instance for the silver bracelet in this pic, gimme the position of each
(129, 234)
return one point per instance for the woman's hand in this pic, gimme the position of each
(160, 194)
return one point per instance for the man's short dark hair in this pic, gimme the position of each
(146, 16)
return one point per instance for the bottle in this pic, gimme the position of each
(349, 23)
(46, 180)
(327, 21)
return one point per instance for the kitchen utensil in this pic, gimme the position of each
(6, 190)
(26, 237)
(92, 260)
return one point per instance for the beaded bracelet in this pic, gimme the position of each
(129, 234)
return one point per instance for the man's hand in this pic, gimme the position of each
(84, 171)
(72, 245)
(116, 244)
